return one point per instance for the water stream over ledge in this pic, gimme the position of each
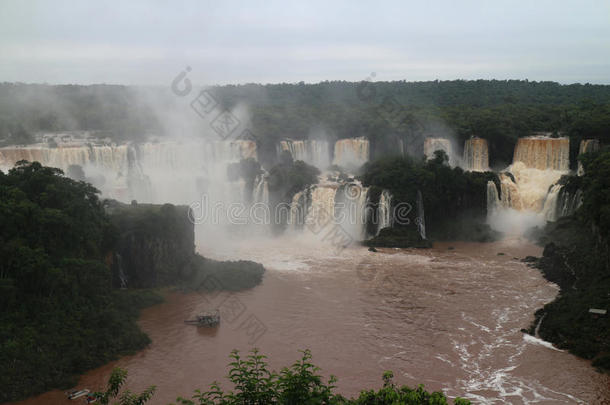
(447, 318)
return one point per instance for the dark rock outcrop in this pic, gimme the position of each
(155, 243)
(155, 247)
(399, 237)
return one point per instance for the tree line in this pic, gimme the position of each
(385, 112)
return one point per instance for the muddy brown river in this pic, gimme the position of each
(445, 318)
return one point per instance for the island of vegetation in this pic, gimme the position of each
(454, 200)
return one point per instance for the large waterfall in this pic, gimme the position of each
(158, 172)
(106, 165)
(311, 151)
(346, 205)
(351, 153)
(530, 193)
(543, 153)
(182, 172)
(433, 144)
(476, 155)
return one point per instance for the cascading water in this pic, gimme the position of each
(476, 155)
(568, 203)
(529, 189)
(493, 199)
(351, 209)
(321, 211)
(324, 205)
(549, 210)
(384, 211)
(313, 152)
(586, 146)
(298, 209)
(297, 149)
(351, 153)
(431, 145)
(420, 220)
(261, 190)
(106, 166)
(158, 172)
(543, 153)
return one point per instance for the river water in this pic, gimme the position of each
(448, 318)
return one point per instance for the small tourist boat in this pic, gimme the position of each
(77, 394)
(208, 318)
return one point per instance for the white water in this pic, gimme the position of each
(351, 153)
(433, 144)
(533, 197)
(384, 210)
(476, 155)
(313, 152)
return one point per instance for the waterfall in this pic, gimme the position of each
(261, 190)
(297, 149)
(420, 220)
(106, 166)
(586, 146)
(321, 210)
(476, 155)
(322, 206)
(384, 211)
(319, 154)
(543, 153)
(493, 200)
(351, 153)
(122, 276)
(313, 152)
(298, 209)
(433, 144)
(550, 208)
(538, 164)
(182, 172)
(529, 189)
(351, 209)
(568, 203)
(156, 172)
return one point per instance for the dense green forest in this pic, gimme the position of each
(385, 112)
(577, 258)
(59, 314)
(255, 384)
(61, 251)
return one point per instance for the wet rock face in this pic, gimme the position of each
(155, 243)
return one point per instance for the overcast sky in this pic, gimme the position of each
(150, 42)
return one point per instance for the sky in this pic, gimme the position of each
(150, 42)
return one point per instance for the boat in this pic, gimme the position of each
(208, 318)
(77, 394)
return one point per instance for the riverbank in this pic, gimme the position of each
(578, 263)
(448, 317)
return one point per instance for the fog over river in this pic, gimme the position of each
(448, 317)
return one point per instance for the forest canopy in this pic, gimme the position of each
(498, 110)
